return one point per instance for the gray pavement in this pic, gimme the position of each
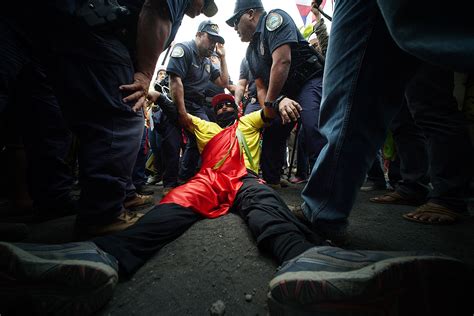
(218, 260)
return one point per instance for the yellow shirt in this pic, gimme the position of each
(249, 125)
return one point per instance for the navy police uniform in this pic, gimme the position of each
(304, 85)
(88, 67)
(30, 113)
(252, 104)
(195, 73)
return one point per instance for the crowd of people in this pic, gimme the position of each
(79, 76)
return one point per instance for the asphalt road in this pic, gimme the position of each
(218, 260)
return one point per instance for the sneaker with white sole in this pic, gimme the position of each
(66, 279)
(333, 281)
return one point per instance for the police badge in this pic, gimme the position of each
(177, 52)
(215, 28)
(274, 21)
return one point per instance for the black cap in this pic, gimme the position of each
(212, 29)
(242, 5)
(210, 8)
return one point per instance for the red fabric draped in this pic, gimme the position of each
(212, 190)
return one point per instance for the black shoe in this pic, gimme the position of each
(334, 281)
(144, 190)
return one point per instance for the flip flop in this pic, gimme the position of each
(395, 198)
(434, 210)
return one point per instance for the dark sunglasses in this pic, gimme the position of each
(237, 18)
(221, 105)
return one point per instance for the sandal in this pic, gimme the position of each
(434, 214)
(395, 198)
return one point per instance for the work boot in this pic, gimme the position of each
(123, 221)
(138, 201)
(68, 279)
(144, 190)
(333, 281)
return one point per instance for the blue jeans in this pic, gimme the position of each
(364, 80)
(364, 83)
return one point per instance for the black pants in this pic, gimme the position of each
(433, 133)
(274, 227)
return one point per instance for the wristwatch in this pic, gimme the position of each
(274, 105)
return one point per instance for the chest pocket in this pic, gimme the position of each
(198, 72)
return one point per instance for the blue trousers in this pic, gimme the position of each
(275, 136)
(88, 69)
(26, 91)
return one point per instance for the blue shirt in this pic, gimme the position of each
(265, 42)
(194, 71)
(177, 9)
(247, 75)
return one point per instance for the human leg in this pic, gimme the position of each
(171, 146)
(191, 157)
(274, 151)
(109, 131)
(272, 224)
(435, 110)
(353, 118)
(310, 100)
(79, 278)
(411, 146)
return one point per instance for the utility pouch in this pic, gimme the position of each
(97, 14)
(102, 13)
(301, 73)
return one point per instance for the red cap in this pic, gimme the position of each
(220, 98)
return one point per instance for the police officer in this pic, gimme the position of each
(283, 65)
(190, 70)
(92, 70)
(246, 91)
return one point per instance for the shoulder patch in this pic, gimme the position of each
(177, 52)
(274, 21)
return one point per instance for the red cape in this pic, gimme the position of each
(212, 190)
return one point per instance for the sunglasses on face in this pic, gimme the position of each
(237, 18)
(224, 104)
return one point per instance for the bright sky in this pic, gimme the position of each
(235, 49)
